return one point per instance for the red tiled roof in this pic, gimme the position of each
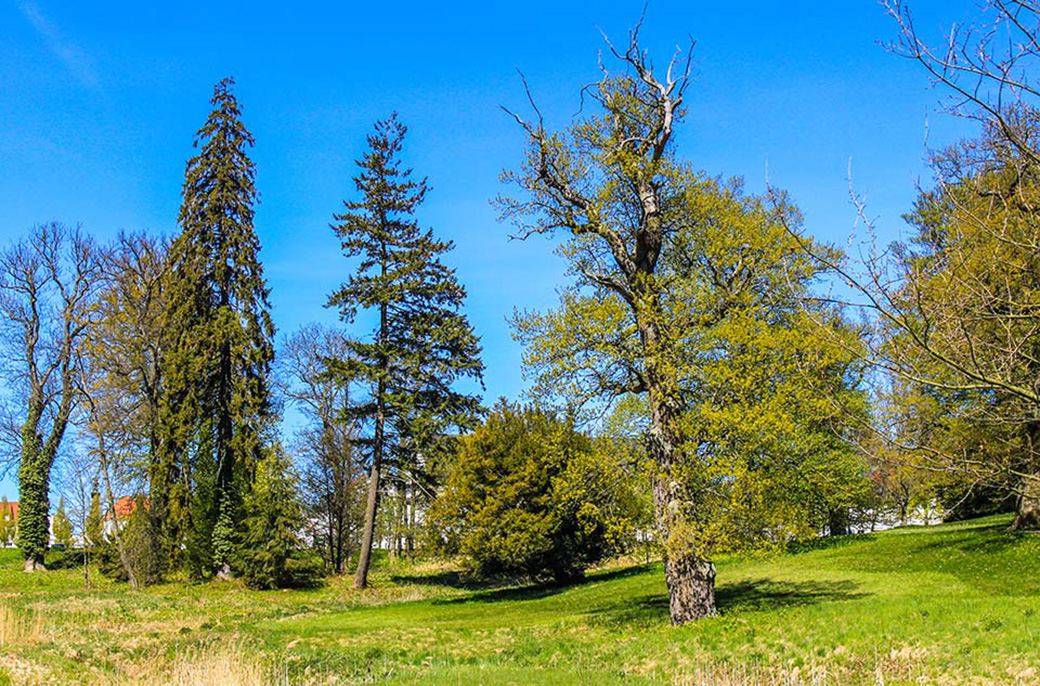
(12, 507)
(125, 507)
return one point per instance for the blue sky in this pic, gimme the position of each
(99, 103)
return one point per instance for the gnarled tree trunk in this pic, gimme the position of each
(1028, 516)
(689, 577)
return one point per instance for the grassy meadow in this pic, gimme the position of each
(956, 603)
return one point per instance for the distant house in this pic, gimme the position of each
(8, 523)
(125, 507)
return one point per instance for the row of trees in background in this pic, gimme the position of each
(693, 381)
(162, 355)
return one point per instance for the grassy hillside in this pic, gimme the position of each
(956, 603)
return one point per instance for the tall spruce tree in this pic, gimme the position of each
(216, 405)
(422, 345)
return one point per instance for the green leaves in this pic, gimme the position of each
(529, 495)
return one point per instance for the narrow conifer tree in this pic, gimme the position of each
(61, 527)
(94, 530)
(216, 407)
(422, 344)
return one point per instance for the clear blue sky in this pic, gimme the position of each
(99, 103)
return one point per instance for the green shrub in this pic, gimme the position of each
(529, 495)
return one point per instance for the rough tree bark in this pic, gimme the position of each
(629, 145)
(1028, 516)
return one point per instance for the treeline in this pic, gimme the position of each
(161, 354)
(695, 392)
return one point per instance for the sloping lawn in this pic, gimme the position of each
(957, 603)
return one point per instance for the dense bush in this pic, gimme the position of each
(530, 495)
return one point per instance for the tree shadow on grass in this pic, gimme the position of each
(455, 579)
(747, 596)
(828, 542)
(508, 589)
(981, 539)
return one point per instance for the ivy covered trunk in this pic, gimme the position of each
(33, 487)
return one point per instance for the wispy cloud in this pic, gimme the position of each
(74, 59)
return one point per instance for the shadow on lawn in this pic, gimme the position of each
(746, 596)
(989, 539)
(507, 589)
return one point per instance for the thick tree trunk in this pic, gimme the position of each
(691, 588)
(34, 477)
(689, 577)
(838, 522)
(1028, 516)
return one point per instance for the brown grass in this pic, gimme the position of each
(18, 627)
(214, 666)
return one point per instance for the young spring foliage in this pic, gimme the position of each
(685, 290)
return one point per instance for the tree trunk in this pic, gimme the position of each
(690, 578)
(372, 505)
(410, 541)
(1028, 516)
(124, 558)
(691, 588)
(838, 522)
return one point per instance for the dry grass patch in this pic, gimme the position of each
(20, 627)
(213, 666)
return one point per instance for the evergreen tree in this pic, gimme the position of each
(62, 526)
(271, 553)
(94, 530)
(141, 556)
(422, 344)
(216, 406)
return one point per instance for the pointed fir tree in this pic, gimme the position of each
(62, 525)
(422, 344)
(94, 529)
(6, 523)
(271, 553)
(216, 408)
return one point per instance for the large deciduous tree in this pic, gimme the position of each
(215, 408)
(956, 312)
(48, 283)
(685, 290)
(421, 343)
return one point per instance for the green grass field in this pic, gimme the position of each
(957, 603)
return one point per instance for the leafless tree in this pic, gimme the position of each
(48, 285)
(332, 480)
